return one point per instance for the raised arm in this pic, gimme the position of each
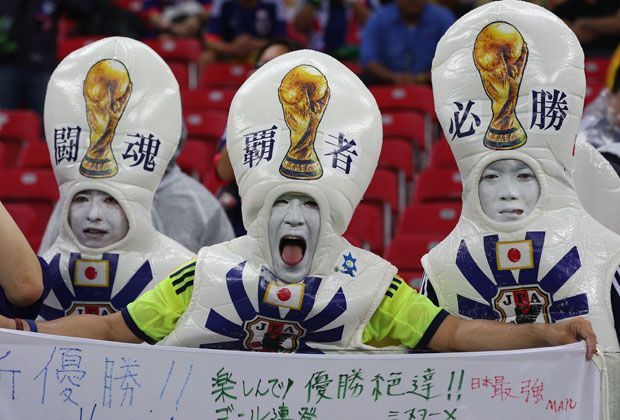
(455, 334)
(20, 271)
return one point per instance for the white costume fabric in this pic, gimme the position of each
(493, 103)
(112, 122)
(203, 222)
(289, 130)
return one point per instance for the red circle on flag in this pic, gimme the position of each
(514, 254)
(90, 273)
(284, 294)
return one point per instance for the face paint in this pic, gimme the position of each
(293, 231)
(508, 190)
(96, 219)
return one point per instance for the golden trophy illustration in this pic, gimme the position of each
(500, 55)
(107, 88)
(304, 95)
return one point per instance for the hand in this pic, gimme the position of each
(7, 323)
(576, 329)
(404, 79)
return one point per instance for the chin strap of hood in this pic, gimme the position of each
(509, 84)
(303, 123)
(112, 123)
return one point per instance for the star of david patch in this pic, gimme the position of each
(348, 266)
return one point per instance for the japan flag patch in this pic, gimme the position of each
(287, 296)
(91, 273)
(514, 255)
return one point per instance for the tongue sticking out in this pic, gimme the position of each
(292, 254)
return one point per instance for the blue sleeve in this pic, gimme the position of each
(427, 290)
(214, 22)
(370, 45)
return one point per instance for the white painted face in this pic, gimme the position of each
(293, 231)
(96, 219)
(508, 190)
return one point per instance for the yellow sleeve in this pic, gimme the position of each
(404, 317)
(153, 315)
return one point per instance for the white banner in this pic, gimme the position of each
(47, 377)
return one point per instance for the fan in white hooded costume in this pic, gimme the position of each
(304, 139)
(112, 121)
(509, 85)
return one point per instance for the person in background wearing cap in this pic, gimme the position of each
(304, 136)
(204, 221)
(509, 99)
(109, 151)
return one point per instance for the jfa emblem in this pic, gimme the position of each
(272, 335)
(522, 305)
(90, 308)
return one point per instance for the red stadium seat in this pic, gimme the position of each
(367, 227)
(29, 184)
(383, 188)
(405, 98)
(399, 155)
(412, 277)
(441, 155)
(196, 158)
(18, 128)
(406, 125)
(437, 185)
(406, 251)
(217, 99)
(35, 155)
(206, 125)
(224, 74)
(179, 52)
(29, 195)
(592, 91)
(67, 45)
(181, 73)
(596, 68)
(431, 218)
(31, 218)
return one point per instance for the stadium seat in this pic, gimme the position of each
(592, 91)
(431, 218)
(18, 128)
(406, 125)
(367, 227)
(434, 184)
(183, 51)
(596, 68)
(67, 45)
(31, 218)
(441, 155)
(29, 184)
(196, 158)
(35, 155)
(224, 74)
(216, 99)
(412, 277)
(383, 188)
(406, 251)
(405, 98)
(181, 73)
(398, 155)
(206, 125)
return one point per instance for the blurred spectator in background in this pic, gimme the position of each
(460, 7)
(164, 16)
(28, 32)
(595, 22)
(399, 41)
(327, 24)
(183, 20)
(601, 119)
(238, 28)
(223, 171)
(183, 209)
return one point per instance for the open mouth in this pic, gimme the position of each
(292, 249)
